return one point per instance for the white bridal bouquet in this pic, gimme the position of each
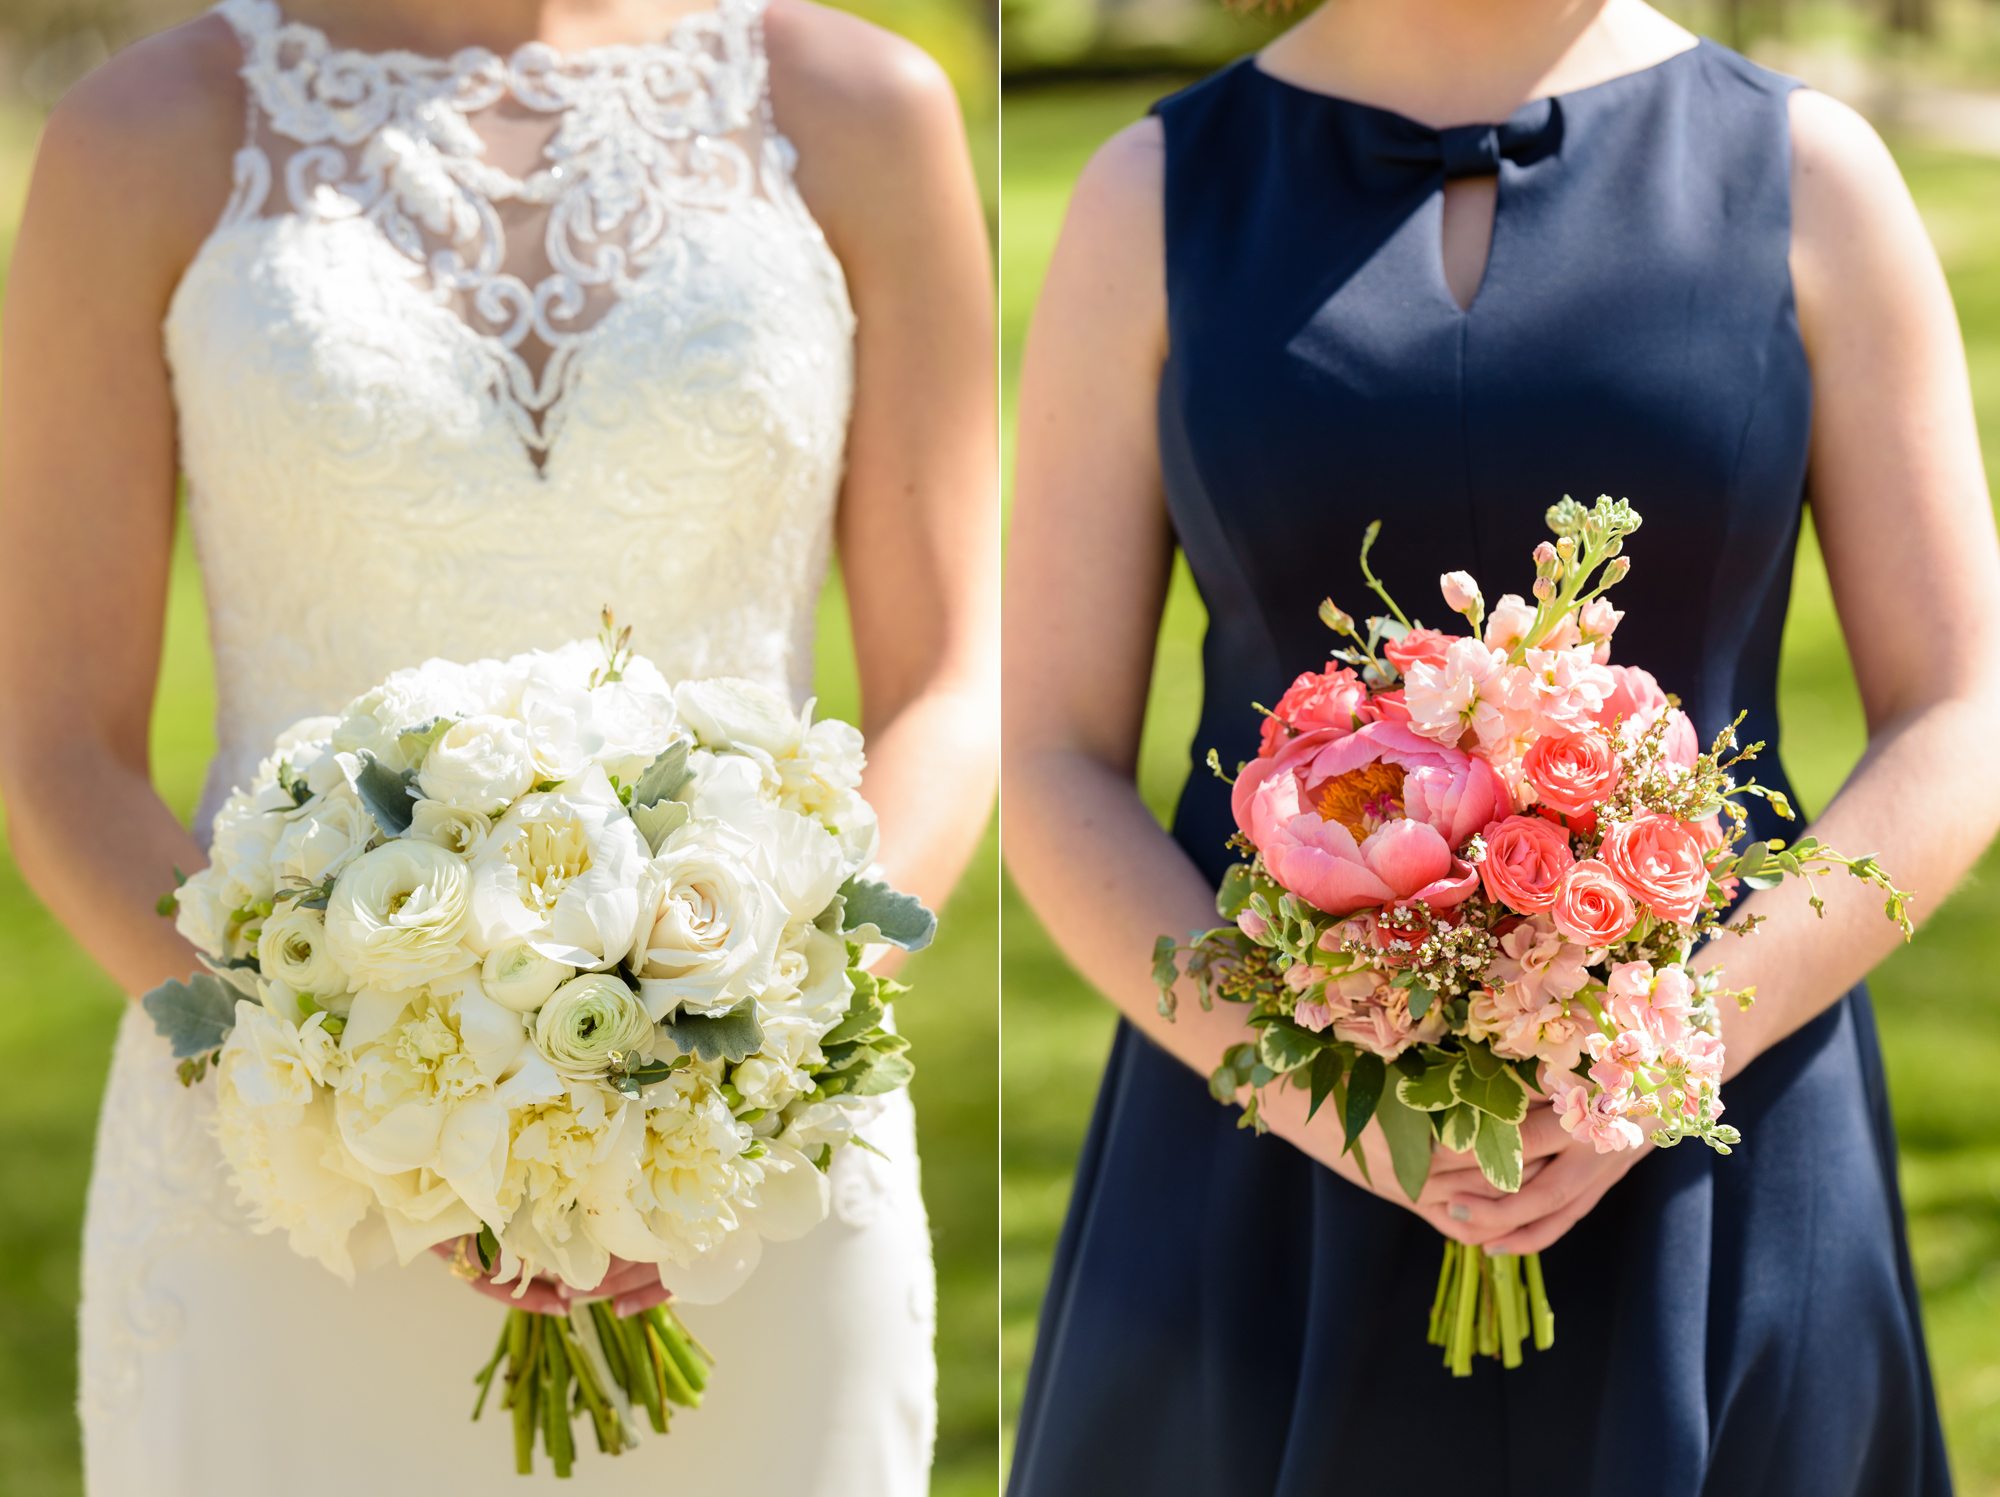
(554, 961)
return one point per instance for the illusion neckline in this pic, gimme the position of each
(1254, 62)
(476, 56)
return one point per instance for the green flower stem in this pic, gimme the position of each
(1441, 1302)
(524, 1346)
(1460, 1351)
(604, 1419)
(484, 1377)
(1489, 1328)
(1538, 1303)
(1504, 1272)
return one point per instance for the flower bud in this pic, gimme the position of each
(1544, 589)
(1335, 618)
(1566, 547)
(1461, 593)
(1545, 556)
(1617, 569)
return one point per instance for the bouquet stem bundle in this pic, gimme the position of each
(1483, 1306)
(596, 1362)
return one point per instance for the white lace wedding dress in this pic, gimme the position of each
(480, 345)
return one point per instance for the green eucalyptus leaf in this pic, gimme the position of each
(1430, 1092)
(1763, 880)
(733, 1036)
(1498, 1150)
(666, 776)
(1364, 1090)
(1500, 1093)
(877, 912)
(1409, 1135)
(386, 793)
(195, 1016)
(1165, 970)
(1420, 1001)
(1460, 1128)
(1751, 859)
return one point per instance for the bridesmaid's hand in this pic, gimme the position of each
(1573, 1179)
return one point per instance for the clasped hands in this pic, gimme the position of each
(631, 1287)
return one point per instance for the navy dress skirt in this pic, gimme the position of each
(1227, 1318)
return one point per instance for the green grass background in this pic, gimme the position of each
(1936, 999)
(58, 1012)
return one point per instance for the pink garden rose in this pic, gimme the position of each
(1526, 858)
(1350, 821)
(1333, 699)
(1660, 860)
(1636, 702)
(1390, 707)
(1572, 772)
(1592, 908)
(1419, 646)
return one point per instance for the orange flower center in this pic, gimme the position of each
(1363, 800)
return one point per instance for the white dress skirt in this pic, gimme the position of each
(409, 431)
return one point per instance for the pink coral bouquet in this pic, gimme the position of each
(1477, 868)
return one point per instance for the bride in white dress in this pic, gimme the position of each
(462, 318)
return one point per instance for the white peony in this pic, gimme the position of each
(586, 1021)
(709, 927)
(481, 763)
(729, 713)
(518, 977)
(399, 916)
(555, 1145)
(322, 837)
(293, 949)
(454, 829)
(822, 780)
(561, 871)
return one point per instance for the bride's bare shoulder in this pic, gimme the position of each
(147, 140)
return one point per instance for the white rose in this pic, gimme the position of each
(205, 907)
(726, 712)
(450, 827)
(243, 836)
(587, 1020)
(293, 949)
(561, 872)
(518, 977)
(400, 914)
(322, 837)
(482, 763)
(709, 928)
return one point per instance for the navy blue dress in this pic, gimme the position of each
(1227, 1318)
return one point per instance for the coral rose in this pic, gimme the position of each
(1526, 858)
(1660, 860)
(1390, 707)
(1591, 907)
(1334, 699)
(1572, 772)
(1425, 646)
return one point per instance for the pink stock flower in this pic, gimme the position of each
(1368, 818)
(1660, 860)
(1526, 858)
(1657, 1002)
(1508, 624)
(1333, 700)
(1597, 620)
(1561, 691)
(1598, 1119)
(1252, 924)
(1591, 907)
(1468, 693)
(1572, 772)
(1313, 1015)
(1419, 646)
(1460, 591)
(1528, 1013)
(1616, 1060)
(1369, 1013)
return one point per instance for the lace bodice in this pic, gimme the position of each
(482, 344)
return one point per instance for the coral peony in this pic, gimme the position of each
(1572, 772)
(1591, 907)
(1660, 860)
(1526, 858)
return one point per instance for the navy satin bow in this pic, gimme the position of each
(1530, 133)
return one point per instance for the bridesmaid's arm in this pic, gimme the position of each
(133, 167)
(1900, 503)
(884, 167)
(1089, 558)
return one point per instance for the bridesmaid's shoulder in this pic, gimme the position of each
(1125, 179)
(152, 133)
(1842, 174)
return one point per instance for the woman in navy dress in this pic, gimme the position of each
(1315, 290)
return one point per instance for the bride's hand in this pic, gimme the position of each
(1455, 1182)
(631, 1287)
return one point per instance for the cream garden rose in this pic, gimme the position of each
(399, 916)
(518, 977)
(709, 927)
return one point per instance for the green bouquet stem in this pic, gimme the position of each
(591, 1362)
(1484, 1307)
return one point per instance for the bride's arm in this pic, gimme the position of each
(133, 167)
(1900, 503)
(883, 166)
(1087, 570)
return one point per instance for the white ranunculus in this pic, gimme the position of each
(709, 927)
(322, 837)
(399, 916)
(586, 1021)
(481, 763)
(293, 949)
(455, 830)
(518, 977)
(276, 1132)
(728, 713)
(561, 871)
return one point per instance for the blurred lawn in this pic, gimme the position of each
(54, 1053)
(1940, 1023)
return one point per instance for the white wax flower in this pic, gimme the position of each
(400, 914)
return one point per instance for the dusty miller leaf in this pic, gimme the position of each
(665, 777)
(733, 1036)
(877, 912)
(195, 1016)
(386, 794)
